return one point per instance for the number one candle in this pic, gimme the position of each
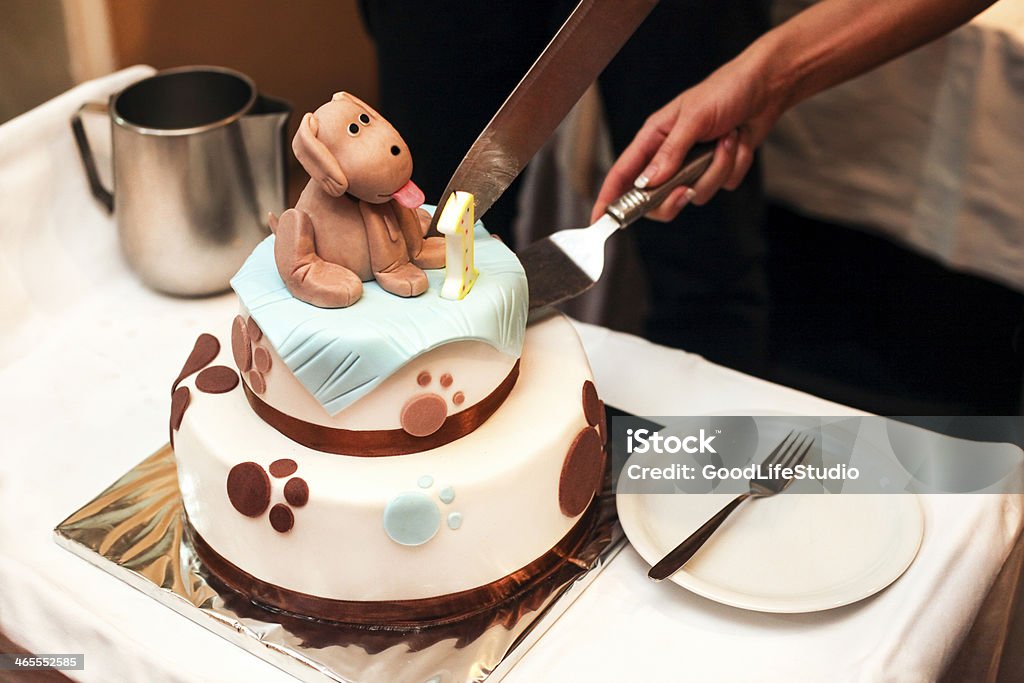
(456, 224)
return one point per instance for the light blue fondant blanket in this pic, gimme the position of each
(341, 354)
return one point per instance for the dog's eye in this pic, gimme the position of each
(364, 119)
(353, 129)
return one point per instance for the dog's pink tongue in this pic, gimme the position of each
(410, 196)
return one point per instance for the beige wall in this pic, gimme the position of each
(300, 51)
(34, 63)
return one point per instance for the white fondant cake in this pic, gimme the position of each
(453, 464)
(342, 354)
(479, 508)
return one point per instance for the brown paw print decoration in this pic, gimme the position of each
(250, 491)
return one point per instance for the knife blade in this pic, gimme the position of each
(583, 46)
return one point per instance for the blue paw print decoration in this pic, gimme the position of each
(413, 517)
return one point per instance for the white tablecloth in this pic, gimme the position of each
(926, 149)
(88, 355)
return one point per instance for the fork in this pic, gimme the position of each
(788, 454)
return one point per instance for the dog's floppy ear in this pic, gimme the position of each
(317, 159)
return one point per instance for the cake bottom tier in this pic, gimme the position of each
(368, 539)
(434, 611)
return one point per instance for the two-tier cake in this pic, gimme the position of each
(403, 457)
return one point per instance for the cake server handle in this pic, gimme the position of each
(632, 205)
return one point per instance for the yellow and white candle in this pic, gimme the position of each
(456, 224)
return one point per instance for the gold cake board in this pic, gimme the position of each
(135, 531)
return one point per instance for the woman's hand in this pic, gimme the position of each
(825, 44)
(734, 105)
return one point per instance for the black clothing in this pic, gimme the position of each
(446, 67)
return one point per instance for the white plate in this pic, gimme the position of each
(788, 553)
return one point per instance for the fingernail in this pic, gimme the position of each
(730, 141)
(685, 198)
(645, 177)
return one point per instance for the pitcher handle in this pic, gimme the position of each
(101, 193)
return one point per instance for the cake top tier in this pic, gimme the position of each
(341, 354)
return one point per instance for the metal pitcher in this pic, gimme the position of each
(198, 163)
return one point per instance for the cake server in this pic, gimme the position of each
(567, 263)
(583, 46)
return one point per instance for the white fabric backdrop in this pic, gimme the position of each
(927, 149)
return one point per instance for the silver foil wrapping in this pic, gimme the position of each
(135, 530)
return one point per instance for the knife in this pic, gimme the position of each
(567, 263)
(583, 46)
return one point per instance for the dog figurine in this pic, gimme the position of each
(357, 218)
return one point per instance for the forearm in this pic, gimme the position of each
(826, 44)
(835, 40)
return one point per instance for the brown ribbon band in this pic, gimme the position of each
(434, 611)
(377, 442)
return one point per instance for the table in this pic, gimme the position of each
(87, 358)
